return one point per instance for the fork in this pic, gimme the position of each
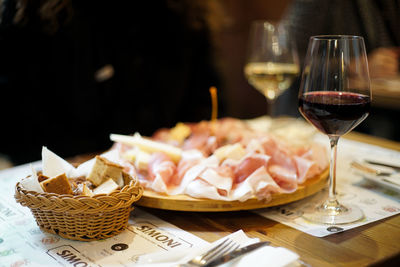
(222, 248)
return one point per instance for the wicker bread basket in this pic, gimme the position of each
(81, 217)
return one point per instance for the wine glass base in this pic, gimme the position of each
(339, 215)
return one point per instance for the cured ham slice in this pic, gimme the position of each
(199, 138)
(259, 184)
(282, 167)
(286, 179)
(231, 131)
(310, 161)
(220, 179)
(196, 141)
(201, 189)
(319, 155)
(194, 172)
(189, 159)
(202, 142)
(305, 169)
(162, 135)
(161, 170)
(255, 146)
(248, 165)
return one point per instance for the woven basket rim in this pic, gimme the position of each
(91, 204)
(133, 183)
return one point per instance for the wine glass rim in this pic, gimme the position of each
(336, 37)
(264, 21)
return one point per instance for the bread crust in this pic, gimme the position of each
(103, 170)
(58, 184)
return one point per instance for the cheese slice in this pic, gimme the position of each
(180, 132)
(234, 151)
(148, 145)
(139, 157)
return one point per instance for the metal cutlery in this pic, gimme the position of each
(369, 170)
(235, 254)
(222, 248)
(222, 253)
(385, 178)
(394, 167)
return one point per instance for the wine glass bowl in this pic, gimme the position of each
(272, 61)
(335, 97)
(334, 113)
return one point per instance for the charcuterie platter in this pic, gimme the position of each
(224, 165)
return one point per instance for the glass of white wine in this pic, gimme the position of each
(272, 62)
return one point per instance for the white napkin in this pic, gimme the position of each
(53, 165)
(265, 256)
(31, 182)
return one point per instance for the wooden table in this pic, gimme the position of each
(373, 244)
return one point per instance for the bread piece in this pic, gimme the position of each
(58, 184)
(86, 191)
(104, 169)
(106, 187)
(42, 177)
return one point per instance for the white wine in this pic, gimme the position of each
(270, 78)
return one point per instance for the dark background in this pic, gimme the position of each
(164, 54)
(162, 64)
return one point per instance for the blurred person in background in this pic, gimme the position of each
(378, 21)
(72, 72)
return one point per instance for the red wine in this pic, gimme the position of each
(334, 113)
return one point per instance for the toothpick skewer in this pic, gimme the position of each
(214, 112)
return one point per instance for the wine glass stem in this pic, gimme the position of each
(332, 169)
(270, 107)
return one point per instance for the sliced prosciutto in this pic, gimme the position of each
(317, 153)
(285, 178)
(282, 167)
(220, 178)
(161, 170)
(189, 159)
(259, 184)
(305, 168)
(248, 165)
(310, 161)
(225, 160)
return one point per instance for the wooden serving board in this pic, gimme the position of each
(152, 199)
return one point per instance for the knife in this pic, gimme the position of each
(369, 170)
(394, 167)
(236, 253)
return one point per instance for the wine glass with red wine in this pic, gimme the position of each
(335, 97)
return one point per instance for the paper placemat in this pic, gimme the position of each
(148, 240)
(376, 201)
(22, 243)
